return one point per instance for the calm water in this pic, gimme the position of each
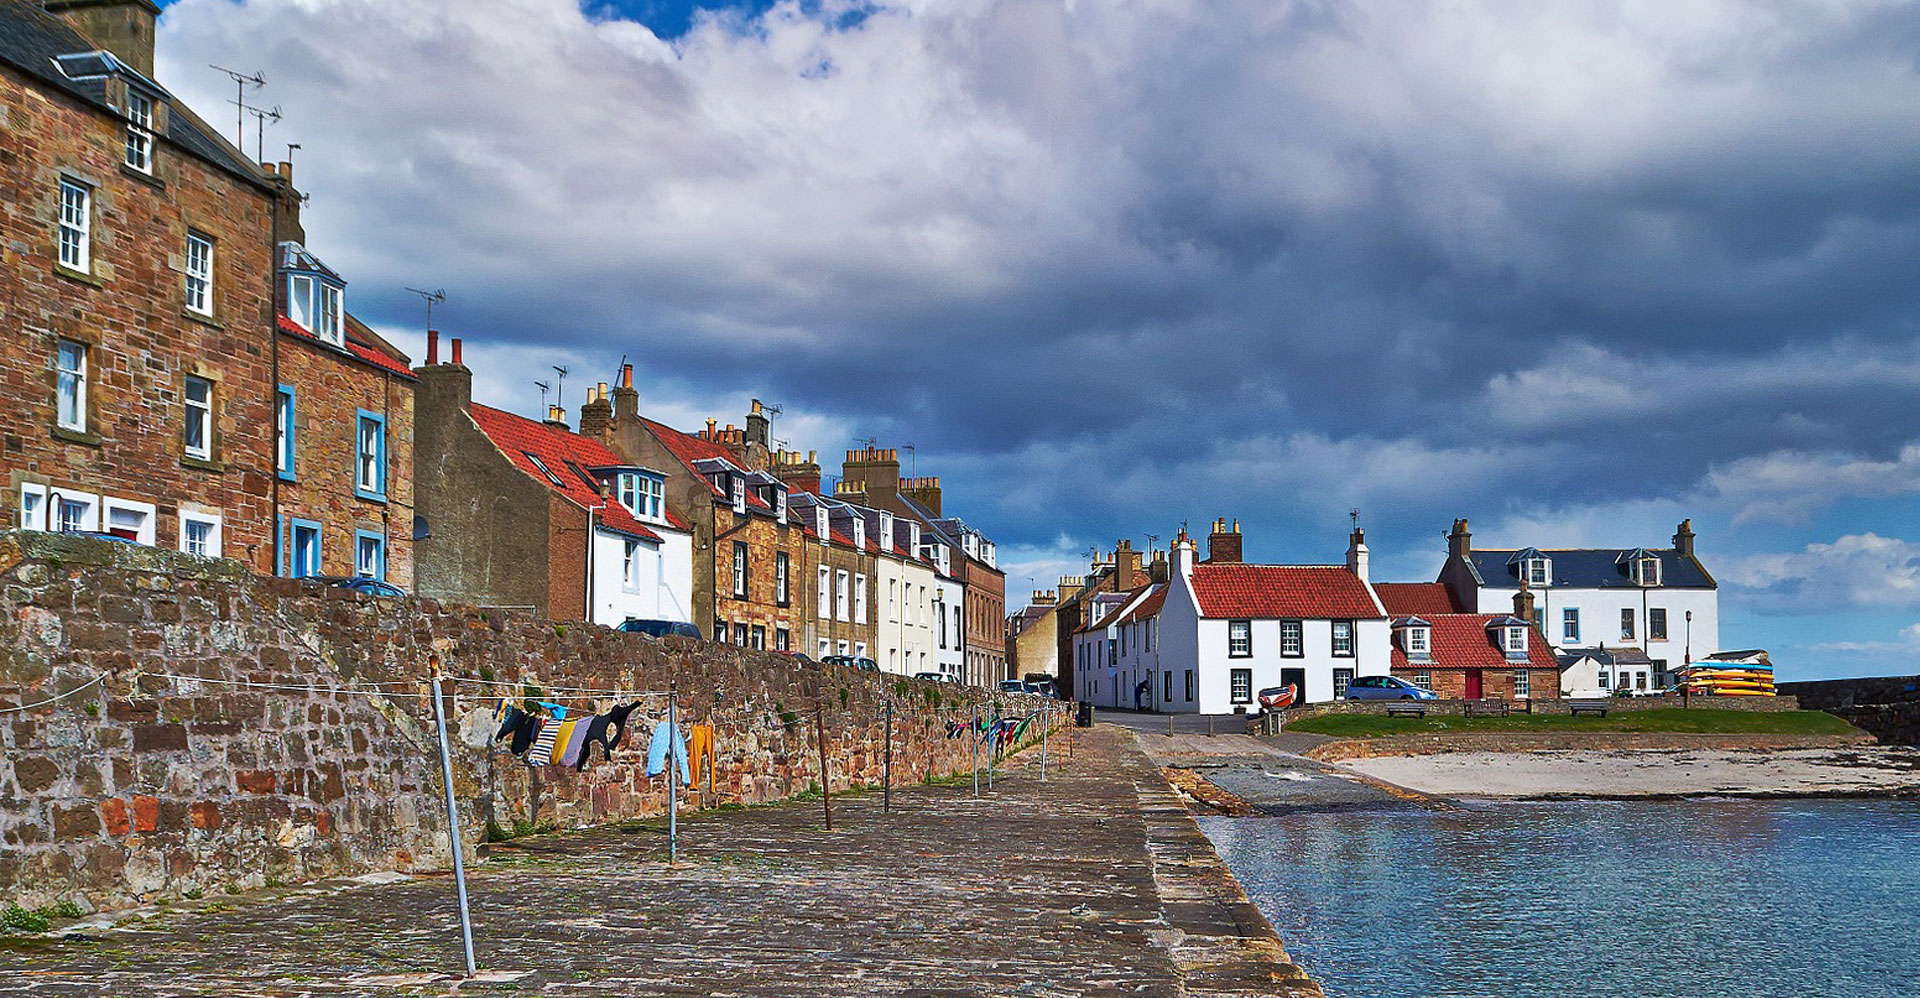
(1595, 899)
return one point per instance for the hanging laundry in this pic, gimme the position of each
(572, 741)
(665, 739)
(540, 752)
(598, 726)
(559, 713)
(700, 749)
(506, 716)
(562, 734)
(524, 733)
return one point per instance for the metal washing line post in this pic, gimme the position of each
(453, 823)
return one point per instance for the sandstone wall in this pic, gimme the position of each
(164, 778)
(1886, 706)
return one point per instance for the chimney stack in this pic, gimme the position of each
(1157, 567)
(596, 415)
(1357, 553)
(1223, 545)
(433, 347)
(557, 417)
(1683, 538)
(1459, 542)
(626, 401)
(757, 423)
(123, 27)
(1126, 565)
(1183, 554)
(1523, 602)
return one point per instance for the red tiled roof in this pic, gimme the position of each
(518, 436)
(356, 349)
(689, 449)
(1462, 641)
(1268, 591)
(1405, 599)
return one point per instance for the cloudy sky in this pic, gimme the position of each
(1574, 271)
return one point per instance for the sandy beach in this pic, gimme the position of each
(1645, 773)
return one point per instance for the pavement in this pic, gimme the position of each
(1862, 770)
(1094, 882)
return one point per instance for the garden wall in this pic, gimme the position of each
(161, 772)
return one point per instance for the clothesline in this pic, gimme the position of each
(54, 699)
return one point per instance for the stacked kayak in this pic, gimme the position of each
(1730, 679)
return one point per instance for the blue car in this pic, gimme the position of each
(371, 587)
(1386, 688)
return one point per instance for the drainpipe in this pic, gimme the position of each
(588, 612)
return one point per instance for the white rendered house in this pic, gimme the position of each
(1661, 601)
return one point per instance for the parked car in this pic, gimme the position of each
(372, 587)
(935, 677)
(1386, 688)
(660, 628)
(798, 656)
(1038, 688)
(852, 662)
(1013, 686)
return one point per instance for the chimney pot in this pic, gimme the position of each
(433, 347)
(456, 349)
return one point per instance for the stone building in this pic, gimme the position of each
(524, 513)
(136, 393)
(343, 424)
(871, 477)
(751, 556)
(1118, 572)
(1032, 637)
(841, 618)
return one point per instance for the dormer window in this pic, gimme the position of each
(1515, 641)
(913, 538)
(314, 305)
(1416, 638)
(1646, 570)
(822, 527)
(1539, 571)
(780, 504)
(139, 131)
(643, 495)
(859, 533)
(739, 494)
(886, 531)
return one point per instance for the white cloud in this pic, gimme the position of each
(1855, 572)
(1790, 486)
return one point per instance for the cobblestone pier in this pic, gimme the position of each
(1094, 882)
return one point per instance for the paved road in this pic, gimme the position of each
(1269, 773)
(1095, 882)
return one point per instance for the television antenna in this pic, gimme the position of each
(913, 458)
(435, 297)
(544, 389)
(1152, 539)
(772, 409)
(261, 115)
(560, 393)
(241, 82)
(1354, 515)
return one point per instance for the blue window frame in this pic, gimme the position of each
(285, 442)
(370, 455)
(370, 554)
(299, 548)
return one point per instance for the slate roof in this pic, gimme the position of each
(1606, 656)
(1322, 592)
(1403, 599)
(692, 450)
(32, 39)
(518, 437)
(1589, 568)
(355, 347)
(1466, 641)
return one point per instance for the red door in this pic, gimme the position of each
(1474, 688)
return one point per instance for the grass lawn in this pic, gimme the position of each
(1672, 720)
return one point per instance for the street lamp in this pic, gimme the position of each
(1686, 662)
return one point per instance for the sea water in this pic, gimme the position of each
(1594, 899)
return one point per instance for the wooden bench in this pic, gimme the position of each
(1486, 708)
(1588, 705)
(1406, 708)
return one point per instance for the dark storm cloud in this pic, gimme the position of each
(1106, 264)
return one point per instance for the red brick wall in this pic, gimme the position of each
(330, 389)
(986, 623)
(130, 310)
(1495, 684)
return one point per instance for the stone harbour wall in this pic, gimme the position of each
(1561, 706)
(1886, 706)
(160, 773)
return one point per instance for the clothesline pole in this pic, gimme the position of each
(673, 778)
(820, 738)
(993, 744)
(886, 786)
(1046, 721)
(453, 823)
(973, 735)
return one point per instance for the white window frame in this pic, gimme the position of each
(1539, 572)
(198, 415)
(739, 495)
(32, 507)
(630, 565)
(75, 243)
(331, 310)
(860, 649)
(1522, 685)
(1342, 649)
(198, 278)
(1423, 678)
(859, 598)
(212, 521)
(88, 518)
(149, 516)
(653, 499)
(841, 579)
(1657, 633)
(361, 542)
(823, 526)
(1646, 571)
(1293, 639)
(1240, 685)
(824, 592)
(826, 648)
(1419, 642)
(844, 646)
(1239, 639)
(886, 531)
(369, 463)
(739, 570)
(139, 146)
(315, 306)
(1516, 639)
(782, 577)
(627, 491)
(859, 533)
(70, 384)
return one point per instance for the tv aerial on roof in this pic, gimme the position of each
(241, 82)
(435, 297)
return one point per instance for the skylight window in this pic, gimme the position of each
(542, 465)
